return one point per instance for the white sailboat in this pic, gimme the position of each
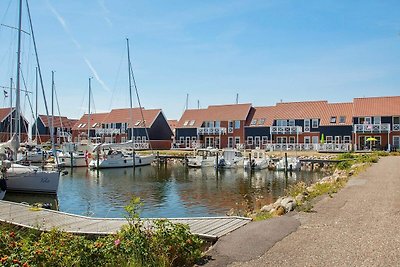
(117, 155)
(258, 160)
(231, 158)
(27, 179)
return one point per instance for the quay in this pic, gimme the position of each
(210, 228)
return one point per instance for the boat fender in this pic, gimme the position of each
(3, 184)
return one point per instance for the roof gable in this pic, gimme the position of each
(377, 106)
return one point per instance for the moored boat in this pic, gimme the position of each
(203, 157)
(293, 164)
(258, 160)
(231, 158)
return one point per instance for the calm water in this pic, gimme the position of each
(172, 191)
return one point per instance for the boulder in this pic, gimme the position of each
(300, 198)
(267, 208)
(278, 202)
(290, 206)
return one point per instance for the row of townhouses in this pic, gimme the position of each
(364, 123)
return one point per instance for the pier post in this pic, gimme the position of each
(71, 155)
(134, 159)
(286, 162)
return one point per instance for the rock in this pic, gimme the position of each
(287, 200)
(267, 208)
(290, 206)
(278, 201)
(300, 198)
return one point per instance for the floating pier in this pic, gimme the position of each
(210, 228)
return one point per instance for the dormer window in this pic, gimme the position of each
(191, 123)
(342, 119)
(314, 123)
(261, 121)
(253, 122)
(333, 119)
(94, 125)
(185, 123)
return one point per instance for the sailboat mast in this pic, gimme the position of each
(11, 106)
(36, 104)
(52, 116)
(130, 87)
(17, 93)
(90, 92)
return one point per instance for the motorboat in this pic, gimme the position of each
(118, 159)
(293, 164)
(30, 179)
(34, 155)
(231, 158)
(74, 159)
(203, 157)
(257, 160)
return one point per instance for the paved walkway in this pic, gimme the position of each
(359, 226)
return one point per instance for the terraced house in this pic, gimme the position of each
(147, 128)
(7, 116)
(377, 119)
(62, 128)
(216, 126)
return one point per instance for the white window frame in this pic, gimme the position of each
(315, 123)
(347, 139)
(377, 118)
(230, 124)
(257, 141)
(307, 125)
(253, 122)
(237, 124)
(396, 120)
(281, 140)
(342, 119)
(333, 119)
(338, 139)
(181, 139)
(314, 139)
(230, 142)
(307, 140)
(264, 140)
(185, 123)
(217, 124)
(250, 140)
(281, 122)
(292, 140)
(237, 140)
(292, 123)
(329, 139)
(261, 121)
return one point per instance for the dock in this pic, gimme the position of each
(210, 228)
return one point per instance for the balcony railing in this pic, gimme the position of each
(102, 131)
(371, 128)
(305, 147)
(286, 129)
(396, 127)
(211, 131)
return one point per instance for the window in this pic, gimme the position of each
(191, 123)
(342, 119)
(307, 125)
(181, 139)
(230, 142)
(123, 127)
(194, 138)
(396, 120)
(333, 119)
(346, 139)
(281, 140)
(264, 140)
(338, 139)
(230, 124)
(217, 124)
(365, 120)
(281, 122)
(377, 120)
(94, 125)
(237, 141)
(250, 140)
(83, 125)
(315, 123)
(329, 139)
(292, 139)
(306, 139)
(291, 122)
(378, 140)
(237, 124)
(253, 122)
(261, 121)
(80, 124)
(257, 141)
(138, 139)
(184, 124)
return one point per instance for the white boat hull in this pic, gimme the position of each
(292, 164)
(257, 164)
(77, 161)
(197, 162)
(110, 162)
(33, 182)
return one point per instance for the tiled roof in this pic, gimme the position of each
(300, 110)
(95, 118)
(127, 115)
(337, 110)
(58, 120)
(172, 123)
(377, 106)
(263, 116)
(4, 112)
(214, 113)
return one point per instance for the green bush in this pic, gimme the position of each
(161, 243)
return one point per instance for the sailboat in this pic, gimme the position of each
(20, 178)
(117, 155)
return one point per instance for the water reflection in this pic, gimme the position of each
(172, 191)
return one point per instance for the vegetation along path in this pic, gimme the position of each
(359, 226)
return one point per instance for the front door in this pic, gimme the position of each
(209, 141)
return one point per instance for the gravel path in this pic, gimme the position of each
(359, 226)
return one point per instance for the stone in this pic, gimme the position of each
(287, 200)
(267, 208)
(278, 201)
(300, 198)
(290, 206)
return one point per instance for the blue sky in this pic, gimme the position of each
(266, 51)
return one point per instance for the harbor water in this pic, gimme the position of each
(171, 190)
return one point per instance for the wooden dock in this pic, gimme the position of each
(44, 219)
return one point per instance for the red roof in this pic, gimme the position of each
(4, 112)
(132, 116)
(377, 106)
(337, 110)
(193, 118)
(263, 116)
(58, 120)
(95, 121)
(172, 123)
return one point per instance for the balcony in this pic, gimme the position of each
(371, 128)
(104, 131)
(211, 131)
(286, 129)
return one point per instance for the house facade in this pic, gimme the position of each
(376, 122)
(217, 126)
(147, 128)
(62, 129)
(7, 116)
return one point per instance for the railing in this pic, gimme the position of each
(286, 129)
(211, 131)
(102, 131)
(371, 128)
(305, 147)
(396, 127)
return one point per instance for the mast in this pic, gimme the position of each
(52, 116)
(36, 104)
(90, 92)
(11, 106)
(130, 87)
(17, 97)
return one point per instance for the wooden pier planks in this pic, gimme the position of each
(43, 219)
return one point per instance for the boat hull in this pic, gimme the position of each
(121, 163)
(77, 161)
(34, 182)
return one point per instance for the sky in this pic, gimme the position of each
(264, 51)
